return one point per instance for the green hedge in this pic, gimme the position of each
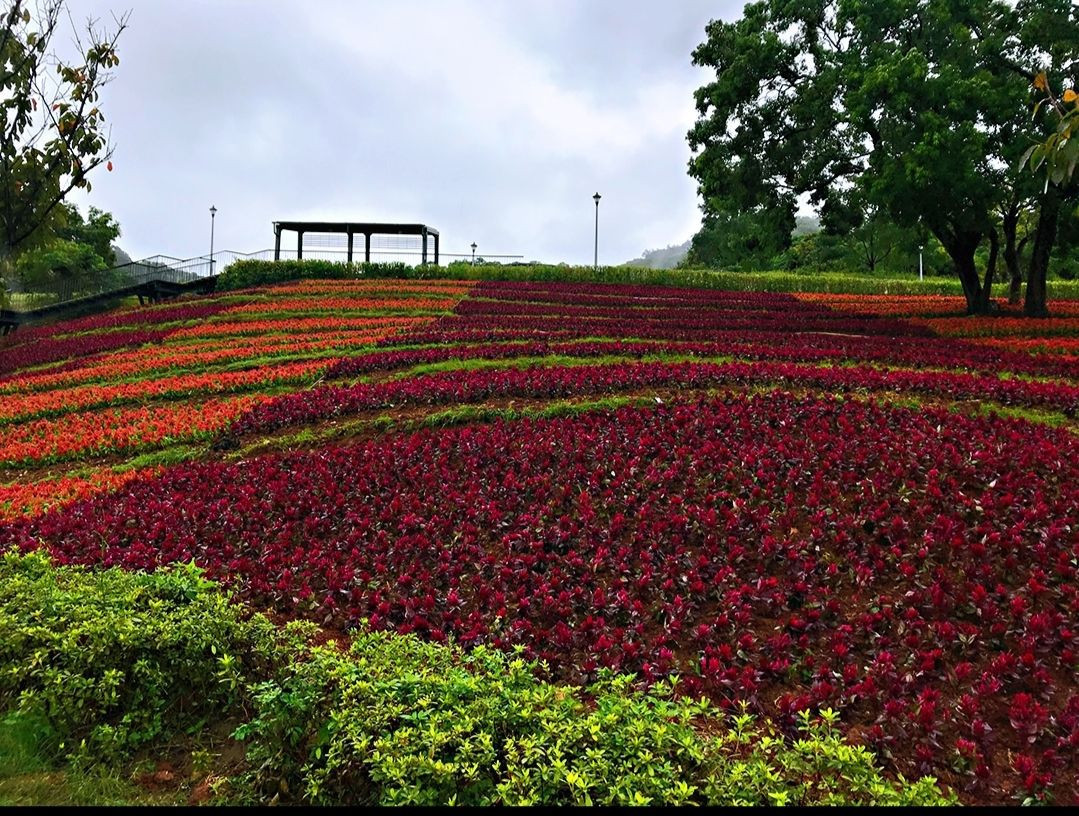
(253, 273)
(243, 274)
(114, 660)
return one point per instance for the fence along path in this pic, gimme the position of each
(156, 278)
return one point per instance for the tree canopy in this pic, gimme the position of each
(70, 249)
(914, 112)
(52, 130)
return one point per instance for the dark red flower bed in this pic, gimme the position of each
(653, 311)
(52, 350)
(915, 570)
(693, 325)
(139, 316)
(332, 401)
(917, 352)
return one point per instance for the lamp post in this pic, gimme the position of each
(213, 214)
(921, 275)
(595, 258)
(473, 253)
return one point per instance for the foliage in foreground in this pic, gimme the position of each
(116, 660)
(113, 660)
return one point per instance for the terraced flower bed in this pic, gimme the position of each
(787, 501)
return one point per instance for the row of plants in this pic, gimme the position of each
(918, 305)
(117, 430)
(617, 540)
(196, 356)
(322, 302)
(28, 497)
(106, 663)
(913, 570)
(550, 382)
(26, 355)
(907, 352)
(254, 273)
(19, 408)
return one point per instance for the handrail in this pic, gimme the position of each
(146, 276)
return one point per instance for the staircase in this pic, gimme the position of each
(152, 279)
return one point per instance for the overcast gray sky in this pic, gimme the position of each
(492, 120)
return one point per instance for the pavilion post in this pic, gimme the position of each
(351, 229)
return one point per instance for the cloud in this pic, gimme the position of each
(492, 121)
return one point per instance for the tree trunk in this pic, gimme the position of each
(960, 247)
(1044, 237)
(1011, 253)
(990, 271)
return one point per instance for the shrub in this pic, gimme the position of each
(242, 274)
(114, 660)
(109, 661)
(397, 721)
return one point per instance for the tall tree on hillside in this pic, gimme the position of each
(1046, 51)
(52, 132)
(898, 107)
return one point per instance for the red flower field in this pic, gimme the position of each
(789, 501)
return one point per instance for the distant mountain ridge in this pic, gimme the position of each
(669, 257)
(666, 258)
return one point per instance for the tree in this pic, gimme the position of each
(1045, 52)
(737, 240)
(897, 107)
(60, 262)
(98, 231)
(72, 251)
(52, 132)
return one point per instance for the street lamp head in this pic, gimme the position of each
(473, 246)
(213, 210)
(596, 198)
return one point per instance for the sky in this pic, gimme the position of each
(494, 121)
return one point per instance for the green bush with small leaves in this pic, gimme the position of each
(398, 721)
(109, 661)
(114, 660)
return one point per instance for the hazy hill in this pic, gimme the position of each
(669, 257)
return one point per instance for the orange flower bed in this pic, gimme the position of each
(888, 305)
(170, 357)
(383, 325)
(996, 326)
(213, 382)
(380, 286)
(343, 304)
(921, 305)
(117, 429)
(1064, 346)
(29, 499)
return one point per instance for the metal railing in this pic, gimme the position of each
(167, 269)
(77, 287)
